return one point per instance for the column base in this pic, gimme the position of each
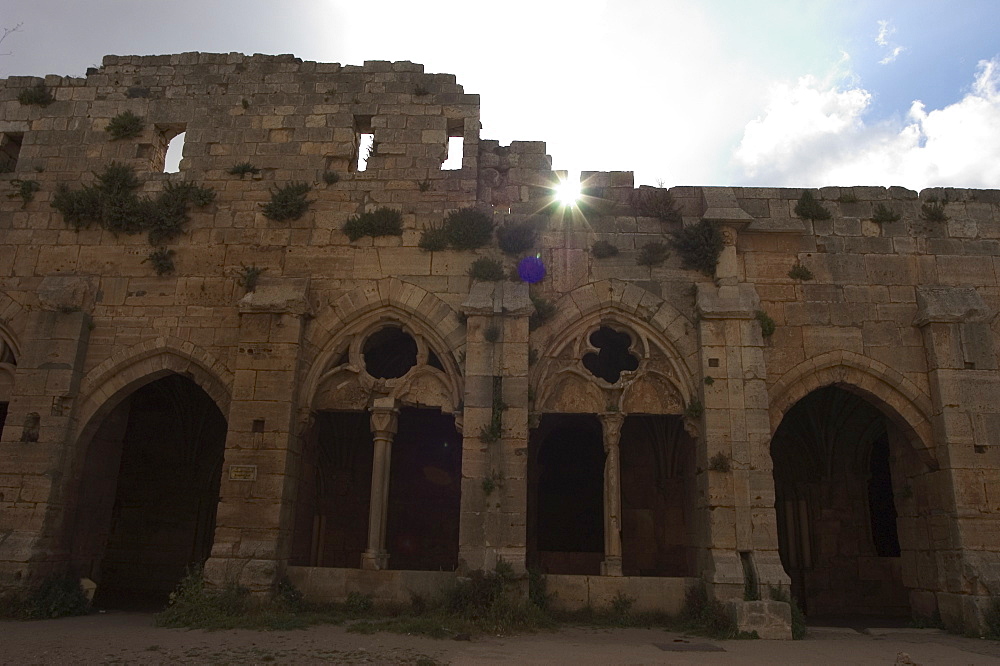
(374, 561)
(611, 566)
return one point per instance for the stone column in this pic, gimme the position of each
(611, 424)
(38, 463)
(963, 368)
(493, 524)
(384, 420)
(259, 484)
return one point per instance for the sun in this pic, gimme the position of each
(567, 192)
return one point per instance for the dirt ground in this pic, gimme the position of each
(131, 638)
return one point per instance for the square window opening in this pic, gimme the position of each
(364, 142)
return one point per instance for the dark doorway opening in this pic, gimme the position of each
(836, 506)
(331, 528)
(148, 493)
(566, 495)
(657, 468)
(3, 415)
(424, 492)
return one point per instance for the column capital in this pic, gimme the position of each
(384, 416)
(611, 424)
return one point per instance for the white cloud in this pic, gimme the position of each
(815, 133)
(885, 31)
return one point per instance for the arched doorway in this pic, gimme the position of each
(843, 482)
(147, 496)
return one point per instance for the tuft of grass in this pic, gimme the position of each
(603, 249)
(25, 189)
(249, 276)
(331, 177)
(800, 272)
(809, 209)
(514, 238)
(243, 168)
(883, 214)
(468, 228)
(487, 270)
(288, 202)
(162, 260)
(699, 246)
(36, 96)
(798, 617)
(652, 254)
(694, 409)
(544, 310)
(382, 221)
(933, 211)
(56, 596)
(656, 202)
(709, 380)
(719, 462)
(767, 324)
(126, 125)
(424, 185)
(433, 239)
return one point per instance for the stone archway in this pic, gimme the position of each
(144, 508)
(856, 487)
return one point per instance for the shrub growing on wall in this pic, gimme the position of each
(382, 221)
(699, 246)
(288, 202)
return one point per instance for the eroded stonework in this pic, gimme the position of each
(367, 411)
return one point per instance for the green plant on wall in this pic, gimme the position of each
(468, 228)
(126, 125)
(242, 169)
(699, 246)
(719, 462)
(809, 209)
(656, 202)
(331, 177)
(603, 249)
(288, 202)
(767, 325)
(36, 96)
(515, 238)
(25, 189)
(933, 211)
(800, 272)
(652, 254)
(249, 276)
(883, 214)
(544, 310)
(694, 409)
(113, 204)
(383, 221)
(487, 270)
(162, 260)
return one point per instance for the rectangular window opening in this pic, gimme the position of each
(364, 142)
(456, 145)
(10, 150)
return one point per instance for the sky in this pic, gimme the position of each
(786, 93)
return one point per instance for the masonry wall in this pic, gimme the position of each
(900, 312)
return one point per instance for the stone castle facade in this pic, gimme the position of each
(821, 411)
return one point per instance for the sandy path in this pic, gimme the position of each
(131, 638)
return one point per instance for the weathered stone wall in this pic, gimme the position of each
(900, 312)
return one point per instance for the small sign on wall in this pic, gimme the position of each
(243, 472)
